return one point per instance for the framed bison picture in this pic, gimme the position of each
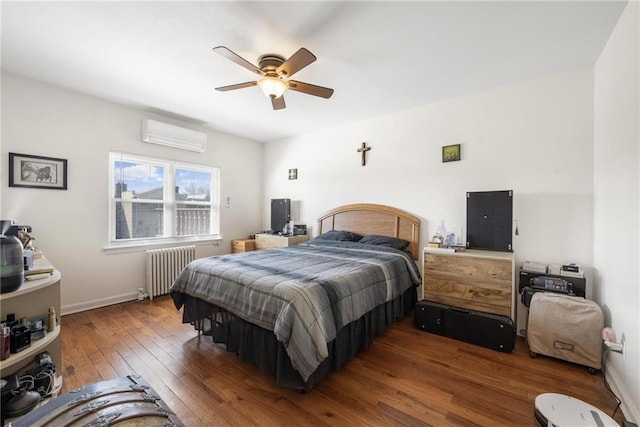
(37, 172)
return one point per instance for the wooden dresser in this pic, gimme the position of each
(268, 241)
(243, 245)
(472, 279)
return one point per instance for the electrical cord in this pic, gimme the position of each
(606, 383)
(25, 382)
(43, 382)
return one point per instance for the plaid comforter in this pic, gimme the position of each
(305, 294)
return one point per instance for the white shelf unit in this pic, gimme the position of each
(36, 347)
(32, 299)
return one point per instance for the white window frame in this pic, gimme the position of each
(170, 205)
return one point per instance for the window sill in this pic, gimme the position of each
(140, 246)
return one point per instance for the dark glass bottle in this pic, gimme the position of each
(11, 263)
(5, 343)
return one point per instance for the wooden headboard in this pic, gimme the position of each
(367, 218)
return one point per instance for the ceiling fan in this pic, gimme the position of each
(275, 72)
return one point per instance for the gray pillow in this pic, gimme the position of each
(345, 236)
(391, 242)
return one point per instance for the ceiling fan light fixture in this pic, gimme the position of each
(272, 87)
(275, 72)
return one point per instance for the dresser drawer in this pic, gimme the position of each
(474, 268)
(488, 296)
(481, 282)
(243, 245)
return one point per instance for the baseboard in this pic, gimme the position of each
(628, 407)
(97, 303)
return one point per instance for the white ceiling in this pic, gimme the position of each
(379, 57)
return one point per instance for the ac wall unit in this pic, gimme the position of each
(160, 133)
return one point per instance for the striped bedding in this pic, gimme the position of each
(305, 294)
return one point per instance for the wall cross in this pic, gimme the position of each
(363, 150)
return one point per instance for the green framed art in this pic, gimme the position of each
(451, 153)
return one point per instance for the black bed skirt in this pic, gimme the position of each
(260, 347)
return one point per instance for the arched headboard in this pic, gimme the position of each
(368, 218)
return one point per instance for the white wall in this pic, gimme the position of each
(71, 226)
(534, 138)
(617, 194)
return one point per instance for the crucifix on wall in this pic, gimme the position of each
(363, 150)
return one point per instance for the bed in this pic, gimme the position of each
(301, 312)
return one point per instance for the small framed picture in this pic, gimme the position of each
(451, 153)
(37, 172)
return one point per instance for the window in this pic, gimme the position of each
(153, 199)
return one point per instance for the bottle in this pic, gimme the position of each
(51, 321)
(441, 232)
(5, 343)
(11, 264)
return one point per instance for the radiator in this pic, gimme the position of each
(164, 265)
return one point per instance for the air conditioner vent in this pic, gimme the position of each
(155, 132)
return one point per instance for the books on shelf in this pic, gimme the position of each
(39, 269)
(37, 276)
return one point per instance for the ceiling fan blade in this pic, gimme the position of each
(322, 92)
(278, 103)
(296, 62)
(232, 56)
(236, 86)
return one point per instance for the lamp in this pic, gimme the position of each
(272, 87)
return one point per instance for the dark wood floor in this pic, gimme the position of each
(407, 377)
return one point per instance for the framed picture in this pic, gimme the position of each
(451, 153)
(37, 172)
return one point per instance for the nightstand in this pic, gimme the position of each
(268, 241)
(243, 245)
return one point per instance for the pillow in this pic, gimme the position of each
(345, 236)
(391, 242)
